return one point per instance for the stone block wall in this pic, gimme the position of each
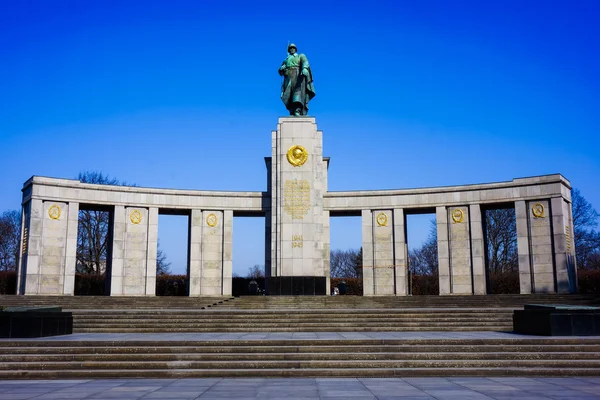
(540, 234)
(385, 253)
(298, 182)
(400, 253)
(477, 249)
(49, 245)
(460, 250)
(443, 243)
(130, 271)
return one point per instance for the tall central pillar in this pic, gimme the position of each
(297, 262)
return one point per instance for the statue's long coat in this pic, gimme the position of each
(297, 88)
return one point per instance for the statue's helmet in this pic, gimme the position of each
(292, 45)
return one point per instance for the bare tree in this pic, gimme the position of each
(256, 271)
(162, 265)
(92, 232)
(501, 238)
(10, 233)
(424, 260)
(346, 263)
(587, 239)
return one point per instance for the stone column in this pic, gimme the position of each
(541, 246)
(571, 252)
(327, 248)
(130, 251)
(152, 253)
(50, 242)
(477, 249)
(23, 243)
(460, 250)
(441, 218)
(368, 256)
(227, 253)
(53, 249)
(523, 247)
(71, 249)
(566, 273)
(400, 253)
(211, 281)
(31, 244)
(118, 251)
(195, 261)
(298, 185)
(383, 250)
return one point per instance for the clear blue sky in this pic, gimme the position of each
(184, 94)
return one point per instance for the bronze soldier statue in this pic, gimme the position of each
(297, 88)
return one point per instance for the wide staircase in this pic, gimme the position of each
(292, 314)
(298, 358)
(266, 338)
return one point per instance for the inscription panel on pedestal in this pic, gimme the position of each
(296, 198)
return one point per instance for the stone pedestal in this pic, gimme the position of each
(134, 247)
(298, 183)
(210, 246)
(545, 245)
(48, 248)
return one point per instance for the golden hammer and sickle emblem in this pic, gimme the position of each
(135, 217)
(538, 210)
(54, 212)
(382, 219)
(211, 220)
(457, 215)
(297, 155)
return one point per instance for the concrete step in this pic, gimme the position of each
(70, 359)
(266, 325)
(306, 323)
(335, 350)
(267, 302)
(303, 364)
(300, 373)
(56, 359)
(291, 319)
(495, 328)
(330, 356)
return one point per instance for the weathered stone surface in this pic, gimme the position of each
(297, 207)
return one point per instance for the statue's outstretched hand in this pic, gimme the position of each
(305, 72)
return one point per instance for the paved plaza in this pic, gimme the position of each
(352, 388)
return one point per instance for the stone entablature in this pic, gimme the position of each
(538, 187)
(71, 190)
(297, 208)
(66, 190)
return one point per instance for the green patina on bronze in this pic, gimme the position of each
(297, 88)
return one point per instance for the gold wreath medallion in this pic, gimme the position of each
(211, 220)
(538, 210)
(54, 212)
(382, 219)
(297, 155)
(457, 215)
(135, 217)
